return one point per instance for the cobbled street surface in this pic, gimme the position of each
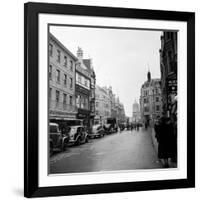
(119, 151)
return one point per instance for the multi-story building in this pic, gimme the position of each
(112, 103)
(88, 64)
(168, 68)
(102, 105)
(136, 112)
(121, 118)
(82, 89)
(108, 106)
(61, 81)
(150, 100)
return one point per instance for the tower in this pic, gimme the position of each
(136, 112)
(80, 53)
(149, 76)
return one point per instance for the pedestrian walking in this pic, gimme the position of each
(119, 127)
(145, 126)
(164, 135)
(138, 127)
(131, 127)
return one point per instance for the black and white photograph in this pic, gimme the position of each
(109, 99)
(112, 99)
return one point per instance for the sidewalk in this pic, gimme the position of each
(155, 145)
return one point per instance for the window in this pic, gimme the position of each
(156, 90)
(50, 72)
(146, 100)
(82, 102)
(58, 56)
(93, 93)
(78, 101)
(92, 81)
(71, 65)
(146, 93)
(57, 96)
(64, 98)
(97, 104)
(70, 100)
(86, 103)
(51, 50)
(65, 61)
(86, 83)
(146, 109)
(50, 93)
(71, 83)
(58, 76)
(79, 78)
(157, 108)
(157, 99)
(65, 79)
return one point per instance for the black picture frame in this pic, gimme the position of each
(31, 170)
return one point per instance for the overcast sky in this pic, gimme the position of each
(121, 58)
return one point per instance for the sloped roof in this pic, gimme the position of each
(51, 36)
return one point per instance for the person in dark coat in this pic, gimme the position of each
(138, 127)
(164, 134)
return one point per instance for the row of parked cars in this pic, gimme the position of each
(60, 137)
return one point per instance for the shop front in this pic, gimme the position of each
(85, 116)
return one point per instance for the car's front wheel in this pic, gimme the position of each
(78, 142)
(64, 145)
(86, 139)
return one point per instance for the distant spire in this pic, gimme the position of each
(149, 76)
(149, 73)
(80, 53)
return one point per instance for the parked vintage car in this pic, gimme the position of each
(107, 128)
(121, 126)
(97, 131)
(77, 135)
(110, 128)
(57, 140)
(113, 125)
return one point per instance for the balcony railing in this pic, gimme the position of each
(60, 106)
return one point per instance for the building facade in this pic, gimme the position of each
(82, 90)
(168, 68)
(150, 100)
(136, 112)
(107, 105)
(102, 105)
(90, 69)
(121, 117)
(61, 81)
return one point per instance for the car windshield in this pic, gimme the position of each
(107, 125)
(72, 130)
(53, 129)
(96, 127)
(99, 127)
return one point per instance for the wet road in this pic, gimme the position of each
(120, 151)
